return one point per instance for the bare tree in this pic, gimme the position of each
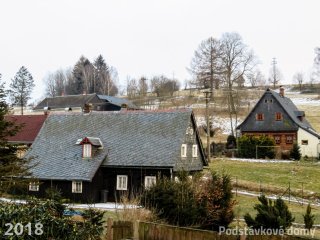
(50, 84)
(132, 87)
(256, 78)
(164, 86)
(298, 78)
(236, 61)
(204, 66)
(315, 75)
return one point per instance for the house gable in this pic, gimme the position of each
(268, 115)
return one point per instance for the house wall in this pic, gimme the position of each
(312, 148)
(189, 162)
(136, 177)
(90, 190)
(283, 145)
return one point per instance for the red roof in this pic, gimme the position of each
(31, 128)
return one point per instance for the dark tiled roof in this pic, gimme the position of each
(118, 101)
(65, 101)
(130, 139)
(284, 104)
(31, 127)
(72, 101)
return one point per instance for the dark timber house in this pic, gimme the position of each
(86, 155)
(78, 103)
(276, 116)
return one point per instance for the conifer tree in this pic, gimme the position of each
(308, 218)
(21, 87)
(12, 168)
(295, 152)
(271, 215)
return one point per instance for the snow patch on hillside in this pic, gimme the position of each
(223, 124)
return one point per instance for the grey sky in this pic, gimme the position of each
(148, 37)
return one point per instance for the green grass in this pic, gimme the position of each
(273, 177)
(245, 205)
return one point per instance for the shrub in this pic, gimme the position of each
(231, 142)
(308, 218)
(215, 199)
(247, 147)
(172, 201)
(271, 215)
(47, 217)
(295, 152)
(206, 203)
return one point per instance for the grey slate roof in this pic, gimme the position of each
(79, 101)
(130, 139)
(118, 101)
(65, 101)
(284, 104)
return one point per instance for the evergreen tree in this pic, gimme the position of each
(12, 168)
(295, 152)
(21, 87)
(308, 218)
(271, 215)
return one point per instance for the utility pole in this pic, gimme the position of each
(207, 118)
(274, 63)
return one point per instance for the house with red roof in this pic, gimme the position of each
(31, 125)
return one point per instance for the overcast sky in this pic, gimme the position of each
(149, 37)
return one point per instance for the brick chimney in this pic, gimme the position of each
(281, 91)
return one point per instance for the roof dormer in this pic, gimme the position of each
(89, 144)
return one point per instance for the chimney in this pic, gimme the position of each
(281, 92)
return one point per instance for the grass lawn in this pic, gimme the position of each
(245, 205)
(273, 177)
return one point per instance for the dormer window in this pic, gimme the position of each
(87, 150)
(89, 144)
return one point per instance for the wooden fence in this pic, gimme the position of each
(120, 230)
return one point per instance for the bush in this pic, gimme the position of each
(271, 215)
(308, 218)
(247, 147)
(295, 152)
(231, 142)
(48, 222)
(206, 203)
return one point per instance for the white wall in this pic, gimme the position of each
(311, 150)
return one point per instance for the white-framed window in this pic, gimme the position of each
(86, 150)
(122, 182)
(304, 142)
(34, 186)
(76, 186)
(149, 181)
(184, 150)
(194, 150)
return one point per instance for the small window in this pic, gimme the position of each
(34, 186)
(304, 142)
(194, 150)
(87, 150)
(149, 181)
(122, 182)
(289, 139)
(259, 117)
(266, 100)
(277, 139)
(278, 116)
(184, 150)
(76, 186)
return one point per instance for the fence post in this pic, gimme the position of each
(136, 230)
(109, 229)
